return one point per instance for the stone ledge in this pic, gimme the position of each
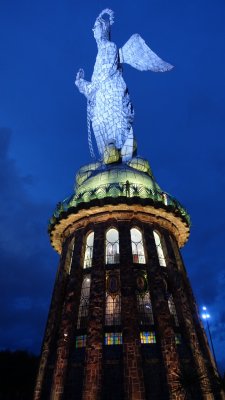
(99, 210)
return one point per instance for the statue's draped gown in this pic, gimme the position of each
(110, 109)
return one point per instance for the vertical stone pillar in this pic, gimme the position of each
(133, 374)
(53, 319)
(162, 318)
(181, 301)
(94, 345)
(193, 306)
(68, 320)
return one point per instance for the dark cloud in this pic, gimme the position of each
(26, 262)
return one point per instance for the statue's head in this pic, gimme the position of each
(102, 25)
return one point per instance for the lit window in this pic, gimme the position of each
(80, 341)
(148, 337)
(113, 299)
(178, 338)
(144, 305)
(165, 199)
(113, 338)
(137, 246)
(173, 309)
(145, 314)
(84, 303)
(160, 249)
(112, 246)
(89, 250)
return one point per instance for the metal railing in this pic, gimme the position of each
(123, 189)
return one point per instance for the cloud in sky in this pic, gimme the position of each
(27, 264)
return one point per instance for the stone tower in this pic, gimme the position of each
(123, 323)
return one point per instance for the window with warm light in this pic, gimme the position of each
(144, 305)
(113, 338)
(112, 252)
(160, 248)
(113, 299)
(147, 337)
(137, 246)
(88, 255)
(84, 303)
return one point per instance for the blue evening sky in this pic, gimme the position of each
(179, 124)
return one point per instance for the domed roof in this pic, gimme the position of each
(98, 184)
(115, 176)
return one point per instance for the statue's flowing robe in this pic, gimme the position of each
(109, 105)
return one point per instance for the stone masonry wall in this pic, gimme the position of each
(135, 363)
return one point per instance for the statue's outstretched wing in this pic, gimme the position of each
(136, 53)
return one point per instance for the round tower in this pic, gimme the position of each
(123, 322)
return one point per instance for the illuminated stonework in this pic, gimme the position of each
(125, 322)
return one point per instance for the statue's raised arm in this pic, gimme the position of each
(110, 112)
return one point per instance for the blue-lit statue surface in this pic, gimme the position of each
(110, 111)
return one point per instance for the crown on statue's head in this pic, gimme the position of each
(105, 22)
(108, 12)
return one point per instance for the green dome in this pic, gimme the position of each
(119, 177)
(121, 181)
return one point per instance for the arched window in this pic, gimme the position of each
(137, 246)
(160, 248)
(113, 299)
(173, 309)
(112, 246)
(145, 309)
(88, 255)
(84, 303)
(144, 306)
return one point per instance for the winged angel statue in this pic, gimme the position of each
(110, 112)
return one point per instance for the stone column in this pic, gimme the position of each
(95, 331)
(177, 258)
(211, 366)
(53, 317)
(68, 320)
(133, 374)
(162, 317)
(181, 301)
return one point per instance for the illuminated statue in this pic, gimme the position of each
(109, 108)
